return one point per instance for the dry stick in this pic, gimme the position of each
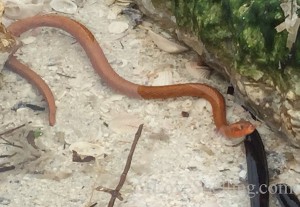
(4, 169)
(7, 168)
(10, 143)
(5, 156)
(116, 193)
(11, 131)
(127, 167)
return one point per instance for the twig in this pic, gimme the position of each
(93, 205)
(64, 75)
(116, 193)
(9, 132)
(4, 169)
(5, 156)
(13, 129)
(10, 143)
(111, 192)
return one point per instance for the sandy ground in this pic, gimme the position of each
(179, 161)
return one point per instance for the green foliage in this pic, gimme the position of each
(246, 27)
(37, 133)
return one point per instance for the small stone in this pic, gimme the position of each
(290, 95)
(185, 114)
(243, 174)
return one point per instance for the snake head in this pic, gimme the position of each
(239, 129)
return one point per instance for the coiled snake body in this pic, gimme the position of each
(106, 72)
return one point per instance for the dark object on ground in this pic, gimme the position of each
(285, 196)
(230, 90)
(258, 175)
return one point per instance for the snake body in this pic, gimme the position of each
(106, 72)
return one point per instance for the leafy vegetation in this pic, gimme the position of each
(244, 30)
